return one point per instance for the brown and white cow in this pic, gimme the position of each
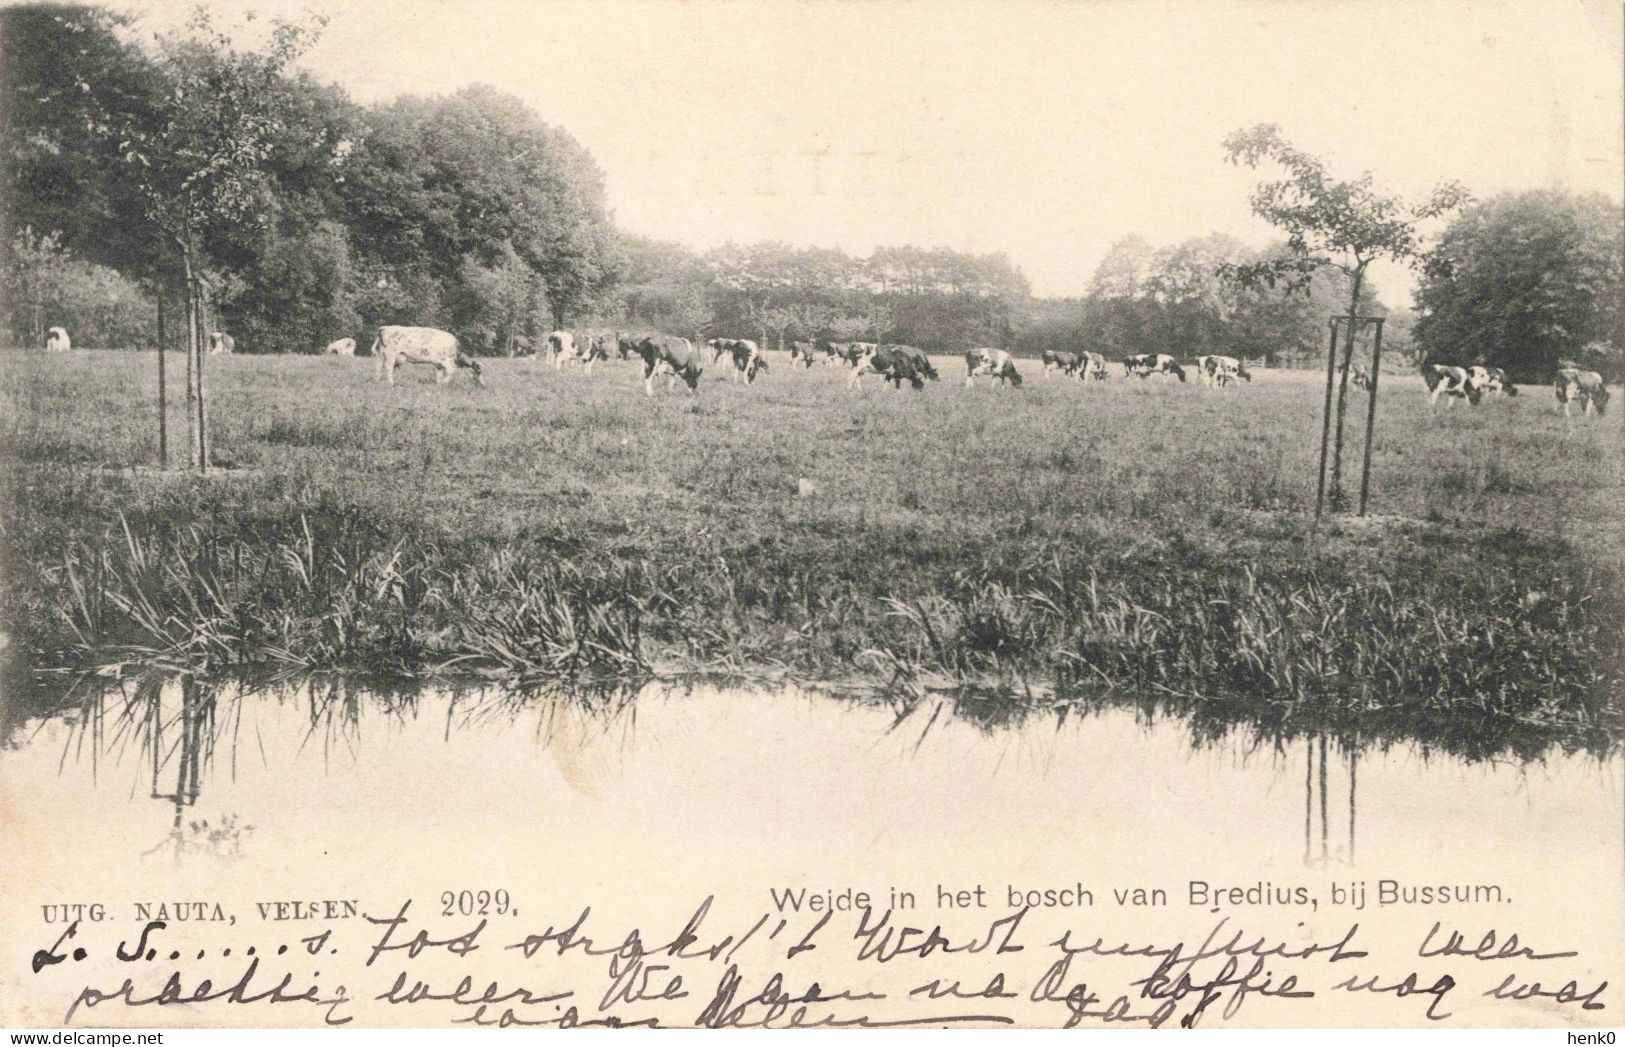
(57, 340)
(421, 345)
(1586, 388)
(1221, 371)
(669, 355)
(220, 343)
(1144, 365)
(340, 347)
(990, 363)
(1451, 381)
(743, 353)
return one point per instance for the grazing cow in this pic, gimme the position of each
(1094, 367)
(1585, 388)
(848, 353)
(340, 347)
(1221, 371)
(1362, 378)
(521, 346)
(670, 355)
(1069, 364)
(626, 345)
(220, 342)
(1454, 382)
(802, 353)
(1144, 365)
(993, 363)
(565, 347)
(896, 364)
(1202, 371)
(421, 345)
(57, 340)
(922, 362)
(744, 353)
(1495, 381)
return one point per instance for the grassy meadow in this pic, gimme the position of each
(1148, 536)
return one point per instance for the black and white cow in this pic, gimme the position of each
(669, 355)
(1222, 371)
(895, 364)
(1069, 364)
(1586, 388)
(990, 363)
(1491, 380)
(802, 353)
(1144, 365)
(745, 355)
(568, 347)
(847, 353)
(1495, 381)
(1094, 367)
(1451, 381)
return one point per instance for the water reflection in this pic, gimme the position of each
(190, 737)
(1315, 788)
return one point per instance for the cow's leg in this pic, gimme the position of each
(587, 370)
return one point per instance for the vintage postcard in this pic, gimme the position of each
(816, 514)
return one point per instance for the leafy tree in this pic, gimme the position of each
(1124, 271)
(59, 162)
(1523, 281)
(436, 183)
(197, 155)
(45, 285)
(305, 294)
(1329, 222)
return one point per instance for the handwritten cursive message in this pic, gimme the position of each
(1264, 954)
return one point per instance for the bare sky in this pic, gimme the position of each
(1042, 129)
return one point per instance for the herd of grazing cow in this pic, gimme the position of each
(675, 357)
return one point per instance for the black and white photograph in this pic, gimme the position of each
(845, 514)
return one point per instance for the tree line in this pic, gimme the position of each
(202, 173)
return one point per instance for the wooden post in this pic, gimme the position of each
(202, 402)
(1339, 502)
(1326, 420)
(163, 396)
(192, 446)
(1371, 414)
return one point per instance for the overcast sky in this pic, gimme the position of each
(1045, 130)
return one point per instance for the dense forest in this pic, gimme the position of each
(301, 217)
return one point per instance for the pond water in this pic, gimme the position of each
(165, 789)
